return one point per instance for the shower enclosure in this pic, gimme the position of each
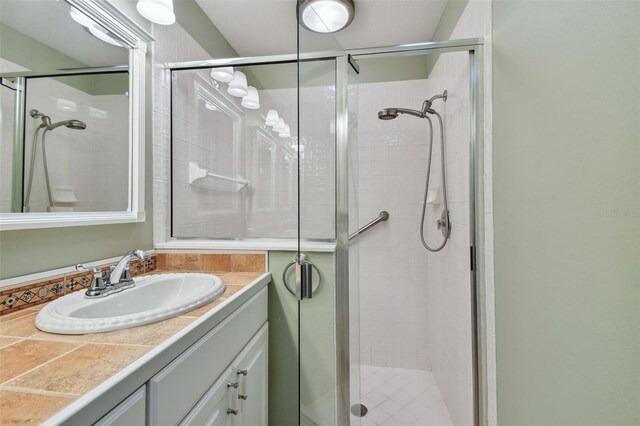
(238, 175)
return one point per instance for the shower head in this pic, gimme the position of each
(71, 124)
(387, 114)
(391, 113)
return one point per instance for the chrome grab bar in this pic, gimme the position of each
(383, 217)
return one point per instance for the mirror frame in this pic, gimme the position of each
(135, 39)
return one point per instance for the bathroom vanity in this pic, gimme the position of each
(208, 366)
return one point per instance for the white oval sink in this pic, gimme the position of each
(154, 298)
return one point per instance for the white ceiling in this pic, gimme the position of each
(48, 22)
(268, 27)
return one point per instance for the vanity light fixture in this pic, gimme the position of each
(238, 86)
(94, 29)
(224, 74)
(272, 118)
(286, 133)
(157, 11)
(325, 16)
(280, 126)
(252, 100)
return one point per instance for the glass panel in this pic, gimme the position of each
(233, 175)
(324, 335)
(416, 304)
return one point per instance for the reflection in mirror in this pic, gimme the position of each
(76, 143)
(65, 111)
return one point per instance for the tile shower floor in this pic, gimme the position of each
(401, 397)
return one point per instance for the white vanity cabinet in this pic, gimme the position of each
(129, 412)
(212, 372)
(239, 396)
(197, 372)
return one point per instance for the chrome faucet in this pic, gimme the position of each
(119, 277)
(121, 273)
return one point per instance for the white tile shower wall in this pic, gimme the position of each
(317, 167)
(94, 161)
(393, 264)
(173, 44)
(475, 22)
(449, 276)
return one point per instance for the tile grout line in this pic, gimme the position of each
(38, 391)
(41, 365)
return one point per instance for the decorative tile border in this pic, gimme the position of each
(50, 288)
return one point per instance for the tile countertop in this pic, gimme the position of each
(42, 373)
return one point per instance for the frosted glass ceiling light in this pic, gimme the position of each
(224, 74)
(94, 29)
(238, 86)
(157, 11)
(252, 100)
(210, 106)
(286, 133)
(272, 118)
(325, 16)
(280, 126)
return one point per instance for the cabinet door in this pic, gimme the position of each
(130, 412)
(251, 368)
(214, 409)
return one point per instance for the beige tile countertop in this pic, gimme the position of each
(42, 373)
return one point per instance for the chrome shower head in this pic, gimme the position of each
(391, 113)
(387, 114)
(70, 124)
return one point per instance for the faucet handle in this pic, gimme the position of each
(98, 281)
(96, 270)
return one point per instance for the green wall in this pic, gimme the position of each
(566, 143)
(314, 339)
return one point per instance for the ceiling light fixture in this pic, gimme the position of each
(94, 29)
(157, 11)
(286, 133)
(325, 16)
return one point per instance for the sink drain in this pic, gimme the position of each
(359, 410)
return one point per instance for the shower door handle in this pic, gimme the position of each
(304, 279)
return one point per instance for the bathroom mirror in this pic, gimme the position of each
(72, 114)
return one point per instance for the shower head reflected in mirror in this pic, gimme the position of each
(70, 124)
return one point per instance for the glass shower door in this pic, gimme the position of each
(326, 359)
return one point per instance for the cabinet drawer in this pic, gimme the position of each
(130, 412)
(178, 387)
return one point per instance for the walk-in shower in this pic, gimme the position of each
(47, 126)
(444, 223)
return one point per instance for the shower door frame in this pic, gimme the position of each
(476, 223)
(476, 198)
